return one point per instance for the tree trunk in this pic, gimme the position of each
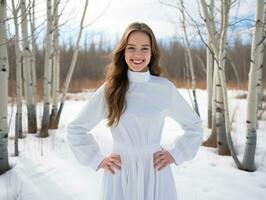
(4, 163)
(211, 85)
(220, 121)
(210, 62)
(212, 140)
(190, 60)
(252, 98)
(33, 52)
(56, 67)
(47, 73)
(18, 123)
(219, 52)
(260, 82)
(31, 106)
(72, 65)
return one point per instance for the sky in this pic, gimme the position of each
(163, 19)
(115, 15)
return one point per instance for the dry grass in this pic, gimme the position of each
(74, 87)
(84, 84)
(203, 85)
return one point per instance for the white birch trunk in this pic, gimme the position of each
(222, 123)
(260, 82)
(212, 139)
(31, 107)
(18, 125)
(33, 51)
(56, 67)
(252, 98)
(217, 47)
(72, 65)
(47, 72)
(190, 60)
(210, 63)
(4, 163)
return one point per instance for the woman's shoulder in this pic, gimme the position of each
(162, 81)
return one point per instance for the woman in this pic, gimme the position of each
(136, 100)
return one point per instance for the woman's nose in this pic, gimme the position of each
(137, 53)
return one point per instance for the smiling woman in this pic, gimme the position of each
(136, 100)
(138, 52)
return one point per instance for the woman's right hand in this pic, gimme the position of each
(111, 163)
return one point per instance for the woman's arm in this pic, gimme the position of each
(187, 145)
(82, 144)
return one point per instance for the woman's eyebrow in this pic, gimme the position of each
(141, 45)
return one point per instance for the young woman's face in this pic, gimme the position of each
(138, 52)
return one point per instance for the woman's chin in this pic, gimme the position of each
(138, 68)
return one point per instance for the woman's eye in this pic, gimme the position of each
(130, 48)
(145, 49)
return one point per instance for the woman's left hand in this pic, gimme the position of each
(162, 159)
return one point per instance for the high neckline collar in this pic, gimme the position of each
(138, 76)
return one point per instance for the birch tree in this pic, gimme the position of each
(252, 97)
(210, 63)
(72, 65)
(211, 84)
(189, 54)
(218, 48)
(33, 49)
(179, 5)
(47, 72)
(27, 71)
(18, 123)
(4, 163)
(260, 82)
(56, 66)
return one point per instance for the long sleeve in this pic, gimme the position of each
(186, 146)
(79, 137)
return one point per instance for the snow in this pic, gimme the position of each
(47, 169)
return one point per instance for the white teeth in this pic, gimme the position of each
(137, 61)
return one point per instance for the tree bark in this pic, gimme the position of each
(72, 65)
(252, 97)
(47, 73)
(212, 140)
(210, 63)
(260, 82)
(18, 123)
(56, 67)
(4, 162)
(28, 86)
(33, 51)
(219, 52)
(190, 59)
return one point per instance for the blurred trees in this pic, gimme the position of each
(91, 62)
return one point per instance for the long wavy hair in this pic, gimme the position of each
(117, 82)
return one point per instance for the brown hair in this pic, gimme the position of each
(116, 72)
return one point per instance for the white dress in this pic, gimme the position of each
(149, 100)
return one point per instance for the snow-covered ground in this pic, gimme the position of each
(47, 170)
